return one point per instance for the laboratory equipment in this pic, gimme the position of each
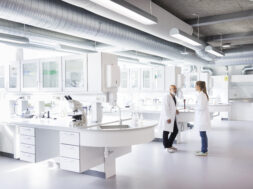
(78, 114)
(97, 112)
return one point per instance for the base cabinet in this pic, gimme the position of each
(33, 146)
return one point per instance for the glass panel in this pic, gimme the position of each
(74, 76)
(134, 79)
(1, 76)
(124, 79)
(50, 74)
(13, 76)
(30, 75)
(146, 79)
(158, 79)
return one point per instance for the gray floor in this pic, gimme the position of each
(229, 165)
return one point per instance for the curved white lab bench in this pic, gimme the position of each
(79, 148)
(97, 137)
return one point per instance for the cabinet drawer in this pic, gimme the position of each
(27, 157)
(69, 151)
(27, 140)
(70, 164)
(27, 131)
(69, 138)
(27, 148)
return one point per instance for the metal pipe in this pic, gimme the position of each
(65, 18)
(207, 70)
(247, 69)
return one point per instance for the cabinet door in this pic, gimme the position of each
(50, 74)
(2, 77)
(13, 77)
(158, 79)
(124, 78)
(75, 73)
(146, 79)
(135, 78)
(30, 75)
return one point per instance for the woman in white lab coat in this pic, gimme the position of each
(202, 116)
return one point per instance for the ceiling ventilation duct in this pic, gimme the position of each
(62, 17)
(247, 69)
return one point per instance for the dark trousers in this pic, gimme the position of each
(204, 141)
(168, 141)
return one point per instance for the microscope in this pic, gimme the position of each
(78, 114)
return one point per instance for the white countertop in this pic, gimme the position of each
(63, 124)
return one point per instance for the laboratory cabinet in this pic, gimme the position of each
(146, 78)
(124, 78)
(173, 77)
(103, 73)
(34, 148)
(142, 78)
(50, 74)
(30, 75)
(2, 77)
(74, 70)
(77, 158)
(13, 76)
(158, 78)
(134, 79)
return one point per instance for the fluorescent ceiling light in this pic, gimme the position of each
(13, 39)
(213, 51)
(226, 45)
(75, 50)
(180, 35)
(126, 9)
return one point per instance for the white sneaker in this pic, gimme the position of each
(174, 148)
(171, 150)
(201, 154)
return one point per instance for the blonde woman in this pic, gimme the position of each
(202, 116)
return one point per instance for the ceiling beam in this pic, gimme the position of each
(210, 20)
(227, 37)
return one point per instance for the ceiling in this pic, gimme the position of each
(190, 10)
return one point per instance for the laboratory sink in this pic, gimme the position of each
(104, 127)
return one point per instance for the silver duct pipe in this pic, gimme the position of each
(37, 35)
(243, 51)
(247, 69)
(237, 56)
(207, 70)
(234, 61)
(64, 18)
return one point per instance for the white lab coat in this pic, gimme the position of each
(168, 112)
(202, 115)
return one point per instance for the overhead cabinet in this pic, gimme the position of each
(2, 77)
(103, 73)
(50, 74)
(75, 73)
(13, 76)
(146, 78)
(30, 75)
